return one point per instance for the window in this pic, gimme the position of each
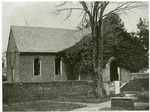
(12, 71)
(57, 66)
(37, 65)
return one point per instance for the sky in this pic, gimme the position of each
(40, 14)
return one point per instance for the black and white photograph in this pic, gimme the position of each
(75, 55)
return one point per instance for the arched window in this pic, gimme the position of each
(58, 66)
(37, 68)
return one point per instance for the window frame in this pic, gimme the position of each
(60, 66)
(40, 66)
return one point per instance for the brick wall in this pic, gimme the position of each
(15, 92)
(47, 68)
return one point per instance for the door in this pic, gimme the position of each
(113, 71)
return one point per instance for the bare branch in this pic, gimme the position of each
(91, 8)
(69, 14)
(69, 9)
(63, 3)
(82, 21)
(57, 12)
(95, 11)
(124, 6)
(102, 11)
(95, 7)
(82, 13)
(86, 9)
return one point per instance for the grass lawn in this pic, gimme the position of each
(121, 109)
(41, 106)
(68, 98)
(83, 98)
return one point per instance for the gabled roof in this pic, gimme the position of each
(40, 39)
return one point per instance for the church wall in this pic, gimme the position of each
(12, 57)
(47, 68)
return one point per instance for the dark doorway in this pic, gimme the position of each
(113, 71)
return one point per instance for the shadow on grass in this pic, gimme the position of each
(42, 106)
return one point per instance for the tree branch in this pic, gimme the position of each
(70, 12)
(82, 21)
(95, 11)
(124, 6)
(86, 9)
(64, 9)
(63, 3)
(104, 5)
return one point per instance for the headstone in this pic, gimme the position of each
(117, 87)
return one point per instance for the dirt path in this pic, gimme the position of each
(95, 107)
(89, 106)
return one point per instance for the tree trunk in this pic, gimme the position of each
(97, 58)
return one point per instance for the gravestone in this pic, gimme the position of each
(117, 87)
(122, 103)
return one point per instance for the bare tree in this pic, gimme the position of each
(95, 12)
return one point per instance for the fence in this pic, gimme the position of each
(139, 75)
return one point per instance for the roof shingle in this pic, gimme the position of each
(40, 39)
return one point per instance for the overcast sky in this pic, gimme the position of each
(39, 14)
